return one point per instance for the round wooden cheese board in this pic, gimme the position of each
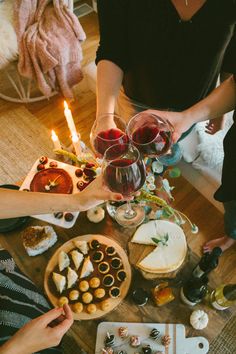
(69, 246)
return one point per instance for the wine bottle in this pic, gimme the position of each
(194, 290)
(208, 262)
(223, 297)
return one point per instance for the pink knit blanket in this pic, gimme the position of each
(49, 37)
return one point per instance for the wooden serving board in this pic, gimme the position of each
(179, 343)
(50, 217)
(67, 247)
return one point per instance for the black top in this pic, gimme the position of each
(167, 63)
(227, 190)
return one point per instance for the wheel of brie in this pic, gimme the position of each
(169, 253)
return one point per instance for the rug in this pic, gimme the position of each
(225, 343)
(23, 140)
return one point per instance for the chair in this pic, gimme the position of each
(19, 89)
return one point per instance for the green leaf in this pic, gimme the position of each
(156, 240)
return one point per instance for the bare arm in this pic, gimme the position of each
(109, 80)
(219, 102)
(17, 203)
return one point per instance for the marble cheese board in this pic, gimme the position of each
(50, 218)
(179, 343)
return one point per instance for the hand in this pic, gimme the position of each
(96, 193)
(177, 119)
(215, 125)
(39, 333)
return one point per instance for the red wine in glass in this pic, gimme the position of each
(112, 132)
(107, 138)
(151, 134)
(125, 176)
(124, 172)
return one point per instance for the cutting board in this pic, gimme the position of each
(179, 343)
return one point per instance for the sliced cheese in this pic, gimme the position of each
(63, 261)
(77, 258)
(72, 276)
(59, 281)
(82, 246)
(87, 268)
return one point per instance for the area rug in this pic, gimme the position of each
(225, 343)
(23, 140)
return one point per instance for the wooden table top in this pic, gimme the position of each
(201, 212)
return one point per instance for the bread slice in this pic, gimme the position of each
(38, 239)
(87, 268)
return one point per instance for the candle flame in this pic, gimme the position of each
(54, 136)
(74, 137)
(65, 105)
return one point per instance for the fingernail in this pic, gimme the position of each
(118, 197)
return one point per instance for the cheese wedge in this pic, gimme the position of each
(72, 276)
(164, 258)
(59, 281)
(63, 260)
(77, 258)
(87, 268)
(82, 246)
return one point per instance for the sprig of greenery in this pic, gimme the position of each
(163, 240)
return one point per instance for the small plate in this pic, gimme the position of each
(7, 225)
(50, 217)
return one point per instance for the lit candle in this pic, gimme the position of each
(56, 142)
(76, 143)
(70, 120)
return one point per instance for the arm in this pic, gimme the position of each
(219, 102)
(216, 124)
(109, 80)
(19, 203)
(39, 333)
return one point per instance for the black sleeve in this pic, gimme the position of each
(229, 63)
(112, 25)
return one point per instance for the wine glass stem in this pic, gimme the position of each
(129, 212)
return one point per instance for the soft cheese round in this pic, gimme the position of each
(164, 258)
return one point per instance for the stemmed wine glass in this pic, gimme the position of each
(124, 172)
(113, 132)
(151, 134)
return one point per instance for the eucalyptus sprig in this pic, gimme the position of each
(163, 240)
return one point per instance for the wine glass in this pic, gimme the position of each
(112, 132)
(124, 172)
(151, 134)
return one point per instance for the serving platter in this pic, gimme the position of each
(179, 344)
(69, 246)
(50, 217)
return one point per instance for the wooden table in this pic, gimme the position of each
(201, 212)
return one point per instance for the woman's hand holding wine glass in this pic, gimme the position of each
(124, 172)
